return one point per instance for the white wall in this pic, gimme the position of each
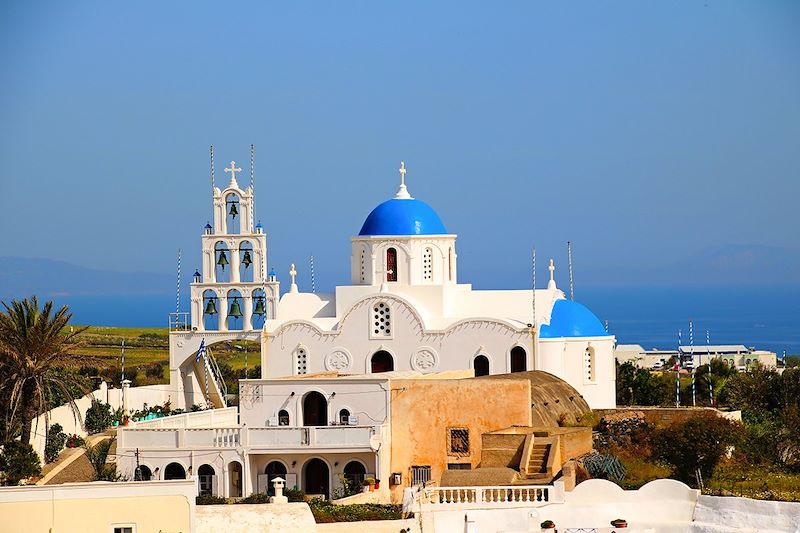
(715, 514)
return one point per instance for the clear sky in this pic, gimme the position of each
(662, 138)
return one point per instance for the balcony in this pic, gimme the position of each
(266, 438)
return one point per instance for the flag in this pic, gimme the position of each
(201, 352)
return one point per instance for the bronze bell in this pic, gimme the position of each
(223, 260)
(236, 311)
(246, 260)
(211, 307)
(233, 211)
(260, 308)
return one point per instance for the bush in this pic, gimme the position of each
(56, 439)
(256, 497)
(98, 417)
(210, 500)
(325, 512)
(97, 456)
(154, 370)
(696, 445)
(295, 495)
(74, 441)
(18, 461)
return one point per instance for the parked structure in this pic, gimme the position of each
(736, 355)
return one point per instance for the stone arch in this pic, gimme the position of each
(274, 468)
(317, 477)
(518, 359)
(315, 409)
(206, 476)
(481, 365)
(235, 479)
(174, 471)
(381, 361)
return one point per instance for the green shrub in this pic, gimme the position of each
(324, 511)
(256, 497)
(295, 495)
(98, 417)
(74, 441)
(56, 439)
(18, 461)
(210, 500)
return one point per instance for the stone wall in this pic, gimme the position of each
(664, 416)
(244, 518)
(715, 514)
(502, 450)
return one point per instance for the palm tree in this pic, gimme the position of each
(34, 348)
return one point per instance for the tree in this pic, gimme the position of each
(33, 347)
(56, 439)
(696, 445)
(18, 461)
(97, 456)
(98, 417)
(639, 386)
(756, 392)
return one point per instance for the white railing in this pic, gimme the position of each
(210, 418)
(523, 495)
(180, 321)
(232, 437)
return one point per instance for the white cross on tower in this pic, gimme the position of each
(233, 170)
(402, 191)
(552, 269)
(293, 275)
(402, 173)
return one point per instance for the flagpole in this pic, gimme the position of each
(691, 354)
(678, 374)
(710, 381)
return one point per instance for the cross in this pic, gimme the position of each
(384, 271)
(233, 170)
(552, 269)
(293, 273)
(402, 173)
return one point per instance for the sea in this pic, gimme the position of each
(761, 317)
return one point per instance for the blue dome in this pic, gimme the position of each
(403, 217)
(571, 319)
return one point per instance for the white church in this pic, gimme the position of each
(404, 309)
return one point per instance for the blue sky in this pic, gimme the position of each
(662, 138)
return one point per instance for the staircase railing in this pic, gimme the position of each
(216, 375)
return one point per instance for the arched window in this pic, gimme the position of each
(205, 477)
(381, 325)
(363, 265)
(427, 264)
(234, 479)
(300, 361)
(315, 409)
(247, 266)
(354, 473)
(344, 417)
(274, 469)
(316, 478)
(210, 310)
(382, 362)
(174, 471)
(519, 359)
(233, 213)
(259, 303)
(283, 417)
(222, 263)
(142, 473)
(589, 364)
(481, 365)
(235, 316)
(391, 264)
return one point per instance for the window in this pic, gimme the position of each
(205, 476)
(300, 361)
(125, 529)
(420, 475)
(391, 264)
(458, 441)
(363, 266)
(381, 320)
(481, 365)
(459, 466)
(427, 264)
(588, 364)
(344, 417)
(519, 359)
(283, 417)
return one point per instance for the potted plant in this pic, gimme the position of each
(619, 523)
(370, 481)
(74, 441)
(377, 484)
(548, 524)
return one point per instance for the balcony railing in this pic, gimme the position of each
(477, 497)
(259, 437)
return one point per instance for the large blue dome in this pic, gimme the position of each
(571, 319)
(403, 216)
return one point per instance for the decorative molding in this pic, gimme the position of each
(339, 360)
(425, 359)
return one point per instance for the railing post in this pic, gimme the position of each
(244, 436)
(181, 438)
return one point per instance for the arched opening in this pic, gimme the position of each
(259, 309)
(222, 263)
(235, 310)
(234, 479)
(344, 417)
(283, 417)
(354, 474)
(391, 264)
(274, 469)
(519, 359)
(205, 477)
(315, 409)
(481, 365)
(246, 262)
(382, 362)
(210, 310)
(316, 478)
(233, 211)
(174, 471)
(143, 473)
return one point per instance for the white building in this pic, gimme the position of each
(738, 356)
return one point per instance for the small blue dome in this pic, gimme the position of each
(571, 319)
(208, 226)
(259, 226)
(403, 216)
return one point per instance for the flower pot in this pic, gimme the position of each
(377, 483)
(619, 523)
(372, 488)
(548, 524)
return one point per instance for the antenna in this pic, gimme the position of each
(569, 261)
(123, 360)
(533, 303)
(252, 185)
(691, 354)
(678, 374)
(178, 290)
(311, 264)
(212, 169)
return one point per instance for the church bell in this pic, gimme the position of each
(233, 212)
(260, 309)
(236, 311)
(223, 260)
(211, 307)
(246, 261)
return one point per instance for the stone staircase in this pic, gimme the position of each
(537, 464)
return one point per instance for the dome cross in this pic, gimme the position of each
(233, 170)
(402, 192)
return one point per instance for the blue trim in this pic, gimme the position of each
(571, 319)
(403, 217)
